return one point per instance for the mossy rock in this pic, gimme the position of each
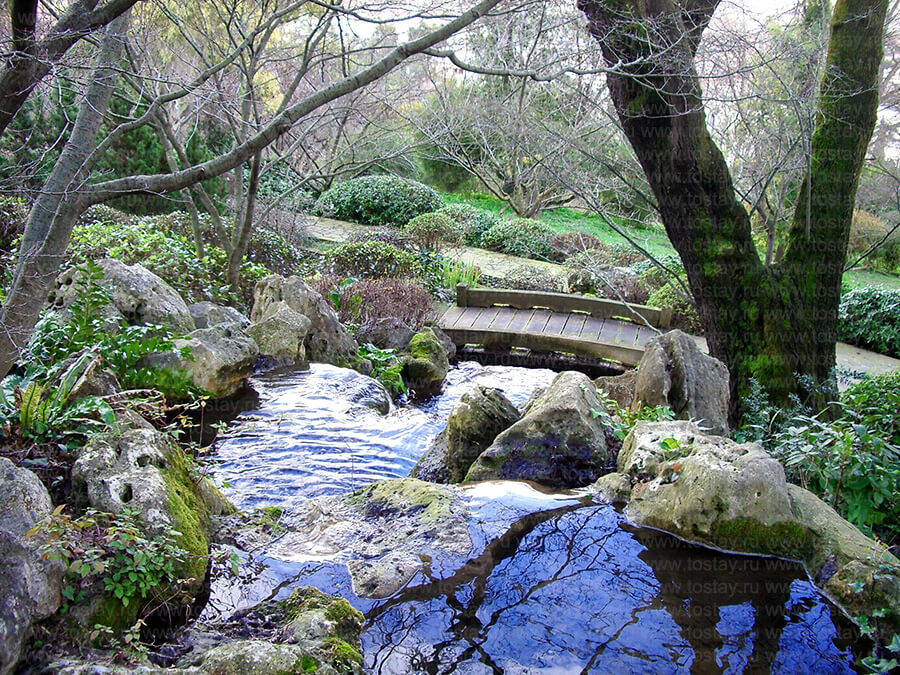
(426, 364)
(475, 421)
(559, 442)
(404, 496)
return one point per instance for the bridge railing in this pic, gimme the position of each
(602, 308)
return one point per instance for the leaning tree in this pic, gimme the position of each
(774, 322)
(73, 185)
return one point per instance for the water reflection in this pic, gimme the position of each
(572, 590)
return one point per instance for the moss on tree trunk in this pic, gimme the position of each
(769, 322)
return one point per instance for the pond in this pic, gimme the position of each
(556, 583)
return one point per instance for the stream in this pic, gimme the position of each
(556, 583)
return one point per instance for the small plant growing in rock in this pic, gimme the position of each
(623, 419)
(386, 367)
(111, 549)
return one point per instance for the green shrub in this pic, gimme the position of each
(653, 278)
(430, 230)
(274, 252)
(526, 278)
(521, 237)
(122, 348)
(851, 461)
(870, 318)
(370, 260)
(386, 367)
(473, 221)
(113, 549)
(378, 200)
(684, 316)
(875, 402)
(155, 243)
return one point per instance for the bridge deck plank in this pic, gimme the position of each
(503, 326)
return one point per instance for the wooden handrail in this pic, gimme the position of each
(561, 302)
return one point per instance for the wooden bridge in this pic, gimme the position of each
(553, 322)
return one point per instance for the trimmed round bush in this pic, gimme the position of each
(369, 260)
(473, 221)
(870, 318)
(521, 237)
(430, 230)
(378, 200)
(684, 316)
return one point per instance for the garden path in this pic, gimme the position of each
(849, 358)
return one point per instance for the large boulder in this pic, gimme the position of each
(216, 359)
(145, 471)
(559, 442)
(388, 332)
(327, 340)
(475, 421)
(29, 585)
(426, 364)
(387, 532)
(674, 372)
(734, 496)
(208, 314)
(281, 335)
(137, 296)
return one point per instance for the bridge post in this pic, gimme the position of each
(462, 295)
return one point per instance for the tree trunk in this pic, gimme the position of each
(244, 226)
(769, 322)
(49, 223)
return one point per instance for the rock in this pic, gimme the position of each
(613, 488)
(143, 470)
(700, 482)
(137, 295)
(281, 336)
(385, 333)
(426, 365)
(364, 391)
(620, 388)
(674, 372)
(208, 314)
(713, 490)
(221, 358)
(449, 345)
(388, 531)
(29, 585)
(261, 658)
(475, 421)
(327, 341)
(854, 570)
(559, 442)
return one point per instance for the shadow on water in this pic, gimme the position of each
(574, 589)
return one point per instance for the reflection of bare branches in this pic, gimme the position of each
(571, 588)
